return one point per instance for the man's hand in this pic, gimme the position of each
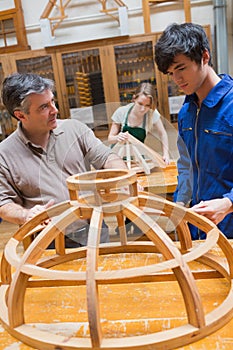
(18, 215)
(214, 209)
(30, 213)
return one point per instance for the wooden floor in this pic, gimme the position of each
(6, 231)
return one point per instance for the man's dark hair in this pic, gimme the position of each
(17, 88)
(188, 39)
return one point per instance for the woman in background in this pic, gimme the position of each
(138, 118)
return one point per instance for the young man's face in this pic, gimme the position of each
(42, 113)
(187, 74)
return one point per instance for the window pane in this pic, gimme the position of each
(85, 87)
(41, 65)
(135, 65)
(7, 33)
(8, 26)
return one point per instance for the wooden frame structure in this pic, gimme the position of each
(146, 4)
(56, 21)
(109, 11)
(138, 156)
(103, 196)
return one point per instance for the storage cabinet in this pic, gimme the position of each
(93, 78)
(96, 77)
(135, 65)
(84, 87)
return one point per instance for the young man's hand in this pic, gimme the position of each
(214, 209)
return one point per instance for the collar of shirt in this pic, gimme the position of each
(59, 130)
(216, 93)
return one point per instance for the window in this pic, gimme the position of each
(12, 30)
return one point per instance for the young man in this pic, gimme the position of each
(205, 124)
(37, 158)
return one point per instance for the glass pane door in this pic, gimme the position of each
(175, 98)
(85, 87)
(135, 65)
(41, 65)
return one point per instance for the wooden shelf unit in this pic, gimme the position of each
(100, 73)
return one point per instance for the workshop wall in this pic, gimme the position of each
(85, 21)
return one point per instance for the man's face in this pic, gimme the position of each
(42, 113)
(187, 74)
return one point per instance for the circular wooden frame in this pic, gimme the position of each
(108, 199)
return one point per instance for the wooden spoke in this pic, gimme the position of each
(101, 268)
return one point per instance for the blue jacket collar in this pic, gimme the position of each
(215, 94)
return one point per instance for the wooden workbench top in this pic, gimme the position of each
(161, 180)
(61, 305)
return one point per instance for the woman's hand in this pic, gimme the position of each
(122, 137)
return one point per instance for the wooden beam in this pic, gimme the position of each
(48, 9)
(187, 11)
(50, 5)
(146, 16)
(59, 18)
(146, 10)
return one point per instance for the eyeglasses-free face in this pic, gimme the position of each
(143, 103)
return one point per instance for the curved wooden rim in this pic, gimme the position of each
(169, 338)
(33, 263)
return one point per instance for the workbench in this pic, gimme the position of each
(160, 180)
(134, 307)
(121, 317)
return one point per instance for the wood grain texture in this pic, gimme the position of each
(126, 295)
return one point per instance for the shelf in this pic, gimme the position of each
(94, 78)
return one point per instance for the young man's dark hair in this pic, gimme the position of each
(188, 39)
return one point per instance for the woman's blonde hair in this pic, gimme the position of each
(148, 90)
